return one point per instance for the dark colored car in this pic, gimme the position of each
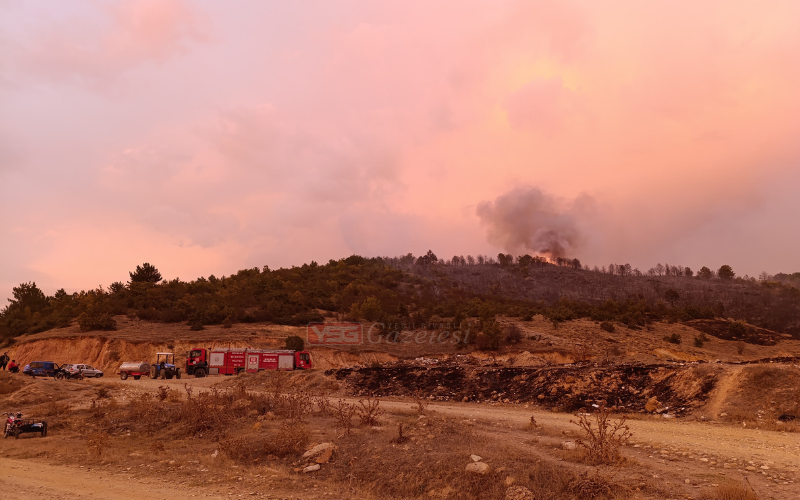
(40, 369)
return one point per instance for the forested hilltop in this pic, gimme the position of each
(419, 290)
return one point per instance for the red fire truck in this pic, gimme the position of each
(235, 360)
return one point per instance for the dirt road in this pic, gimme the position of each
(34, 480)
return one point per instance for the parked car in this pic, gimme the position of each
(40, 369)
(85, 370)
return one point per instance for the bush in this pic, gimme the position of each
(607, 326)
(513, 334)
(675, 338)
(602, 438)
(368, 411)
(89, 322)
(738, 330)
(698, 341)
(294, 343)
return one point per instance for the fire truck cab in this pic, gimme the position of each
(234, 360)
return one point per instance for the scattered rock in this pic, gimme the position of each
(325, 456)
(519, 493)
(652, 405)
(569, 445)
(215, 454)
(478, 468)
(476, 458)
(318, 450)
(311, 468)
(510, 480)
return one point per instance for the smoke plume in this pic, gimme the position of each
(526, 219)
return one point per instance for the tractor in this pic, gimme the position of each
(164, 367)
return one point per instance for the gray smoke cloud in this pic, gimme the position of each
(526, 219)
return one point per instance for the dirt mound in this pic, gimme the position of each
(325, 359)
(762, 394)
(11, 383)
(566, 388)
(721, 329)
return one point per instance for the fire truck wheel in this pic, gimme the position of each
(124, 376)
(239, 371)
(199, 373)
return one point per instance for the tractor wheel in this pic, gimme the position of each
(124, 376)
(137, 377)
(178, 374)
(153, 372)
(199, 373)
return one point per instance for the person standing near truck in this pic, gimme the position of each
(4, 360)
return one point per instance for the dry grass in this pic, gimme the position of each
(732, 491)
(596, 485)
(290, 439)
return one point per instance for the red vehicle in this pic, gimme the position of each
(234, 360)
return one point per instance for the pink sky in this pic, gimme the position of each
(205, 139)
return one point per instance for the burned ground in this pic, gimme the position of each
(565, 388)
(720, 329)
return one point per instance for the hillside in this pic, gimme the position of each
(409, 291)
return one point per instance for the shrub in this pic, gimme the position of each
(607, 326)
(513, 334)
(291, 439)
(740, 347)
(294, 343)
(368, 411)
(602, 438)
(739, 330)
(675, 338)
(698, 341)
(343, 414)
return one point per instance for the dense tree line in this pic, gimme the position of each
(416, 290)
